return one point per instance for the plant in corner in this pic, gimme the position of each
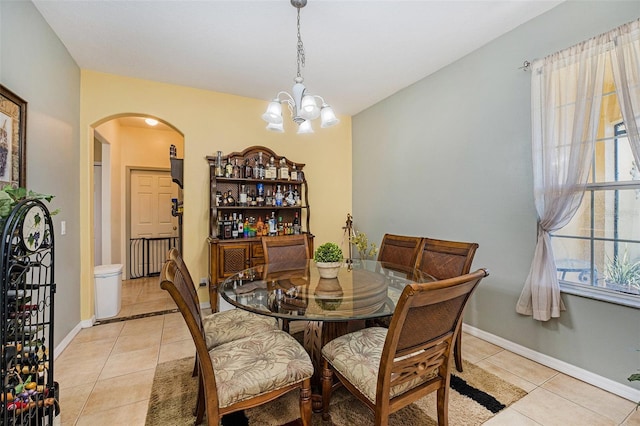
(328, 258)
(365, 250)
(622, 274)
(10, 196)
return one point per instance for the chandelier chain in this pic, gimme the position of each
(300, 47)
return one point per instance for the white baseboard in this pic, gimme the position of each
(609, 385)
(69, 337)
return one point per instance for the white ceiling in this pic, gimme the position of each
(357, 52)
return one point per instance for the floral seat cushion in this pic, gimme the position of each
(258, 364)
(356, 356)
(227, 326)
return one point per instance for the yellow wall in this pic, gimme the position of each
(210, 122)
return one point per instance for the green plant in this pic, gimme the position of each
(10, 196)
(328, 252)
(365, 250)
(622, 271)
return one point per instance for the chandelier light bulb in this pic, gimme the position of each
(305, 127)
(273, 115)
(328, 117)
(309, 109)
(279, 128)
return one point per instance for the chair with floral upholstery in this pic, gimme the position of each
(246, 372)
(444, 259)
(387, 369)
(226, 326)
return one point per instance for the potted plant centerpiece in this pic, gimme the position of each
(328, 258)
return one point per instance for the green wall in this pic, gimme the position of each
(36, 66)
(450, 157)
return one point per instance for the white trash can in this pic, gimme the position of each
(108, 286)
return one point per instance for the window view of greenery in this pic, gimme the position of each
(600, 247)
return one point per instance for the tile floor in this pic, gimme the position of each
(105, 374)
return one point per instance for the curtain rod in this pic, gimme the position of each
(526, 65)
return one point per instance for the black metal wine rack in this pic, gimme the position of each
(29, 394)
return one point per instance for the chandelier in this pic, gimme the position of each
(303, 106)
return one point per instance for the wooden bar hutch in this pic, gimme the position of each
(228, 255)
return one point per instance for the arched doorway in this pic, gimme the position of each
(133, 194)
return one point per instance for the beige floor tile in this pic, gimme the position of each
(143, 326)
(507, 376)
(99, 332)
(510, 417)
(96, 350)
(176, 350)
(523, 367)
(72, 401)
(130, 415)
(137, 342)
(633, 419)
(129, 362)
(550, 409)
(475, 349)
(119, 392)
(174, 320)
(72, 372)
(175, 334)
(586, 395)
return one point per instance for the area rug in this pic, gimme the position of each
(476, 396)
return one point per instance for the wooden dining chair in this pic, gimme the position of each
(244, 373)
(399, 249)
(444, 259)
(226, 326)
(286, 252)
(387, 369)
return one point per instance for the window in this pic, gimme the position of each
(597, 253)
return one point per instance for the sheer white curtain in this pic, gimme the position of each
(566, 92)
(625, 61)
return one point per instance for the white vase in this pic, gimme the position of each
(328, 269)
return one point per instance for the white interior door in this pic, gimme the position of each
(151, 194)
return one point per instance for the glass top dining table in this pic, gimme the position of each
(364, 289)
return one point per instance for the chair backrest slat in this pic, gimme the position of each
(445, 259)
(289, 248)
(175, 255)
(399, 249)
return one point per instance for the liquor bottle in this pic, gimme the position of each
(272, 170)
(294, 172)
(227, 227)
(273, 230)
(220, 226)
(283, 171)
(258, 172)
(280, 226)
(259, 226)
(248, 170)
(225, 199)
(228, 169)
(235, 173)
(230, 200)
(240, 226)
(251, 198)
(290, 199)
(218, 198)
(260, 194)
(234, 226)
(246, 230)
(296, 224)
(279, 197)
(243, 196)
(268, 200)
(219, 172)
(296, 196)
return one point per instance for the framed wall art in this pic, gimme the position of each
(13, 133)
